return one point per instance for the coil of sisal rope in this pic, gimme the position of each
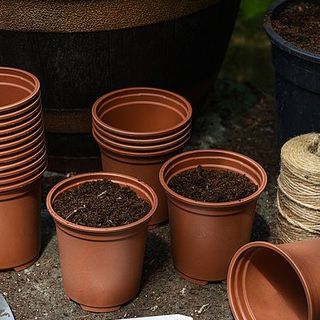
(298, 198)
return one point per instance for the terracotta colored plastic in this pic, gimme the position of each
(204, 235)
(271, 282)
(20, 112)
(26, 165)
(146, 148)
(22, 143)
(101, 267)
(20, 227)
(22, 155)
(21, 134)
(140, 141)
(142, 119)
(23, 125)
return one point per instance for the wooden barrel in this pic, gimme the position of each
(82, 49)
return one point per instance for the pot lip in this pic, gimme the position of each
(212, 205)
(23, 74)
(281, 42)
(91, 176)
(234, 301)
(137, 154)
(126, 133)
(143, 142)
(143, 148)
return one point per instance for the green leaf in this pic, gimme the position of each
(253, 8)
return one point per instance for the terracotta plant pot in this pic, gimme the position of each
(101, 267)
(136, 119)
(206, 235)
(20, 227)
(271, 282)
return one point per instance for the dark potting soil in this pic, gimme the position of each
(101, 203)
(299, 23)
(209, 185)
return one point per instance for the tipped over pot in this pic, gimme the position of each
(271, 282)
(205, 235)
(101, 267)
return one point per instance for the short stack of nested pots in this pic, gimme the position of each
(22, 164)
(137, 130)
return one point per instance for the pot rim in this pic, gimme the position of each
(17, 113)
(234, 301)
(281, 42)
(143, 142)
(25, 75)
(143, 148)
(141, 134)
(139, 154)
(23, 143)
(92, 176)
(198, 152)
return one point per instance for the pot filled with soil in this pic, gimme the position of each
(23, 162)
(294, 32)
(271, 282)
(212, 196)
(101, 221)
(137, 130)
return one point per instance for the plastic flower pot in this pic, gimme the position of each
(143, 165)
(271, 282)
(19, 87)
(101, 267)
(205, 235)
(20, 226)
(146, 148)
(140, 141)
(297, 82)
(141, 119)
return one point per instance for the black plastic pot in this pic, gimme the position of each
(297, 82)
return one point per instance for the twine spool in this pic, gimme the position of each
(298, 197)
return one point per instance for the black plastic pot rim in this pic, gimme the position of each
(277, 40)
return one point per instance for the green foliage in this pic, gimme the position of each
(251, 9)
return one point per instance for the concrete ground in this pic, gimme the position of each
(237, 118)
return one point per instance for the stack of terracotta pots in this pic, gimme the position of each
(22, 164)
(137, 130)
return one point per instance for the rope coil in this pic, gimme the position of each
(298, 198)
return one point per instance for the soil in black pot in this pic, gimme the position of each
(101, 203)
(209, 185)
(299, 23)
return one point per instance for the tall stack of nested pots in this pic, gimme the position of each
(137, 130)
(22, 164)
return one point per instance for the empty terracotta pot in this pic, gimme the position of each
(271, 282)
(205, 235)
(142, 119)
(20, 87)
(101, 267)
(20, 227)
